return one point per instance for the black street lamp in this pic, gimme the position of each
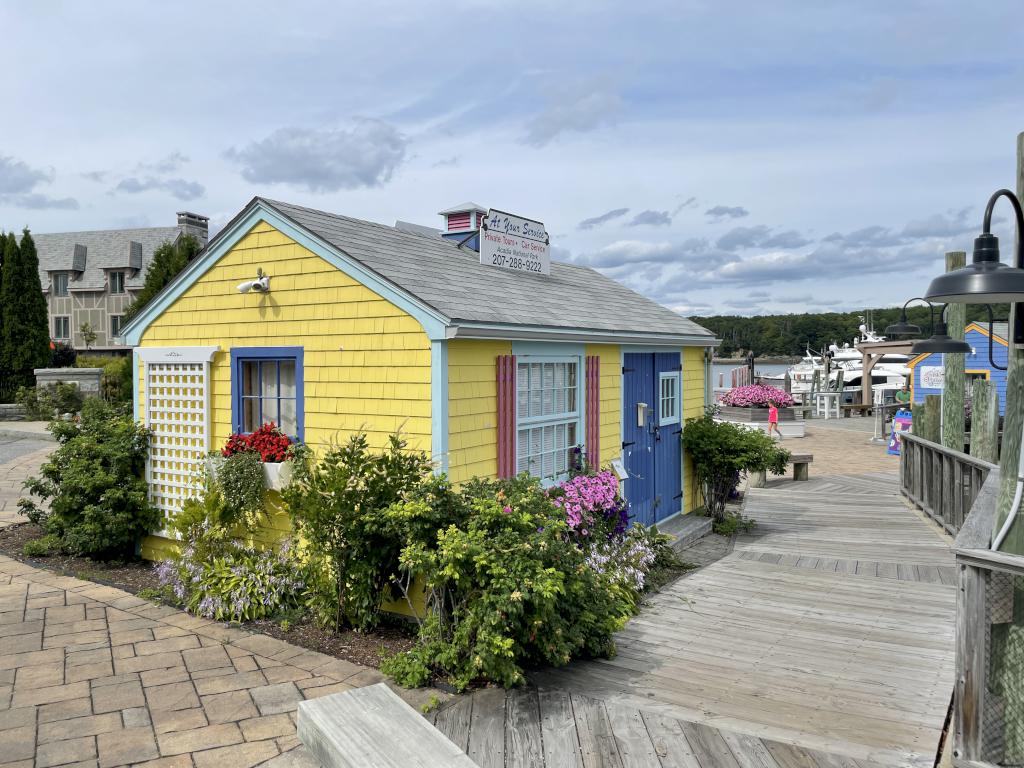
(986, 279)
(941, 341)
(906, 328)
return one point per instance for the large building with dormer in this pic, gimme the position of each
(89, 278)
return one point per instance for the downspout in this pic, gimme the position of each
(1015, 504)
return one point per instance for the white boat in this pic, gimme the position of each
(890, 372)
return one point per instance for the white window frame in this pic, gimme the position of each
(120, 321)
(64, 278)
(677, 397)
(66, 319)
(567, 418)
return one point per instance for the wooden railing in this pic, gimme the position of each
(940, 481)
(988, 708)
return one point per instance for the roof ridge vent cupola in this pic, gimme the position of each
(460, 220)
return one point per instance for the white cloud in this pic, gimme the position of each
(581, 109)
(325, 159)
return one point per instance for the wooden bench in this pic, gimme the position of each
(864, 408)
(801, 470)
(372, 728)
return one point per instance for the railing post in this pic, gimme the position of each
(971, 664)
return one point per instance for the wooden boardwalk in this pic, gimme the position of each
(824, 639)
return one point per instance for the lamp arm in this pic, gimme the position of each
(931, 309)
(991, 358)
(1018, 214)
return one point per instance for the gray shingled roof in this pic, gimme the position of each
(1002, 330)
(454, 282)
(106, 249)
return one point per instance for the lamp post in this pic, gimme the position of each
(987, 280)
(906, 328)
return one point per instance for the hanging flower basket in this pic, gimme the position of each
(277, 474)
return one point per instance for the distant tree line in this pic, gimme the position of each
(791, 335)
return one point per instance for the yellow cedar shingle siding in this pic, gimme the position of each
(473, 408)
(693, 406)
(611, 399)
(366, 363)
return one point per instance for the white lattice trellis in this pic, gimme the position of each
(177, 410)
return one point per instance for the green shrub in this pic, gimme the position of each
(45, 403)
(241, 483)
(93, 484)
(116, 381)
(508, 586)
(732, 523)
(47, 544)
(721, 452)
(335, 505)
(219, 576)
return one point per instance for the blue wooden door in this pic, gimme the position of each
(668, 466)
(652, 402)
(637, 435)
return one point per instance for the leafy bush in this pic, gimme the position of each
(335, 505)
(62, 355)
(116, 381)
(240, 480)
(93, 483)
(219, 576)
(721, 452)
(47, 544)
(510, 584)
(45, 403)
(757, 396)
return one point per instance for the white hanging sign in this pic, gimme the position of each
(514, 243)
(933, 377)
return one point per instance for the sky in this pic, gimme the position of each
(721, 158)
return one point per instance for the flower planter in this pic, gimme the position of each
(754, 415)
(276, 475)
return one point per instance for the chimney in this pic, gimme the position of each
(78, 258)
(195, 225)
(461, 222)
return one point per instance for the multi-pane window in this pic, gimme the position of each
(115, 325)
(547, 417)
(668, 398)
(60, 284)
(117, 282)
(269, 393)
(62, 327)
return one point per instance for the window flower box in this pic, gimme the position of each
(277, 474)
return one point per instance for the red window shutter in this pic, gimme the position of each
(506, 371)
(593, 421)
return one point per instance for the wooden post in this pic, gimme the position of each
(985, 421)
(954, 376)
(1013, 420)
(926, 418)
(1013, 417)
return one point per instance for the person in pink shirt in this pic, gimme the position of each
(773, 420)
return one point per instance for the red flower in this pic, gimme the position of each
(268, 441)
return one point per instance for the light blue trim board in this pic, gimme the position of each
(135, 384)
(432, 321)
(548, 349)
(439, 404)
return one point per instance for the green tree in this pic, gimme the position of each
(169, 259)
(25, 343)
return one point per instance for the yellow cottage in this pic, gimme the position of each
(326, 325)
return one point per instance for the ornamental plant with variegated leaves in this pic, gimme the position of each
(757, 396)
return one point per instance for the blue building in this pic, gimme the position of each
(927, 370)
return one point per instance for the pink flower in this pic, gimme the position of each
(507, 510)
(757, 396)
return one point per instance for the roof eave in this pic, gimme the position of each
(464, 330)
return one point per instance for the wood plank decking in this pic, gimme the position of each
(824, 639)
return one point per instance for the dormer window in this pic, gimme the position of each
(117, 282)
(60, 283)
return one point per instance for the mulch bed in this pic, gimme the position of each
(364, 648)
